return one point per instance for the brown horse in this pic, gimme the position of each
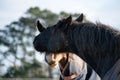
(71, 67)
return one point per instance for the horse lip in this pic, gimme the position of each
(36, 46)
(39, 48)
(53, 65)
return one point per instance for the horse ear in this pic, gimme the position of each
(68, 20)
(40, 26)
(80, 18)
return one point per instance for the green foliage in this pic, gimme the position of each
(26, 70)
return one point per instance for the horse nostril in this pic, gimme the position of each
(38, 44)
(53, 62)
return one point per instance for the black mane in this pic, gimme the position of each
(95, 43)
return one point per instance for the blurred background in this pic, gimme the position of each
(18, 59)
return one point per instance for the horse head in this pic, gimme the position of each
(51, 37)
(54, 60)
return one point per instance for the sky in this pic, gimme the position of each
(105, 11)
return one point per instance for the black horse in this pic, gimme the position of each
(97, 44)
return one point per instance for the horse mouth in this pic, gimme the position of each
(53, 64)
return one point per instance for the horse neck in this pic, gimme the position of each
(89, 53)
(89, 59)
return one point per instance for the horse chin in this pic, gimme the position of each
(54, 65)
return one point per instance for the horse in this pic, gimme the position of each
(114, 72)
(71, 67)
(96, 43)
(53, 62)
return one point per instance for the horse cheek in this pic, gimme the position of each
(57, 42)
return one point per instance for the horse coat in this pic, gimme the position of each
(114, 73)
(78, 66)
